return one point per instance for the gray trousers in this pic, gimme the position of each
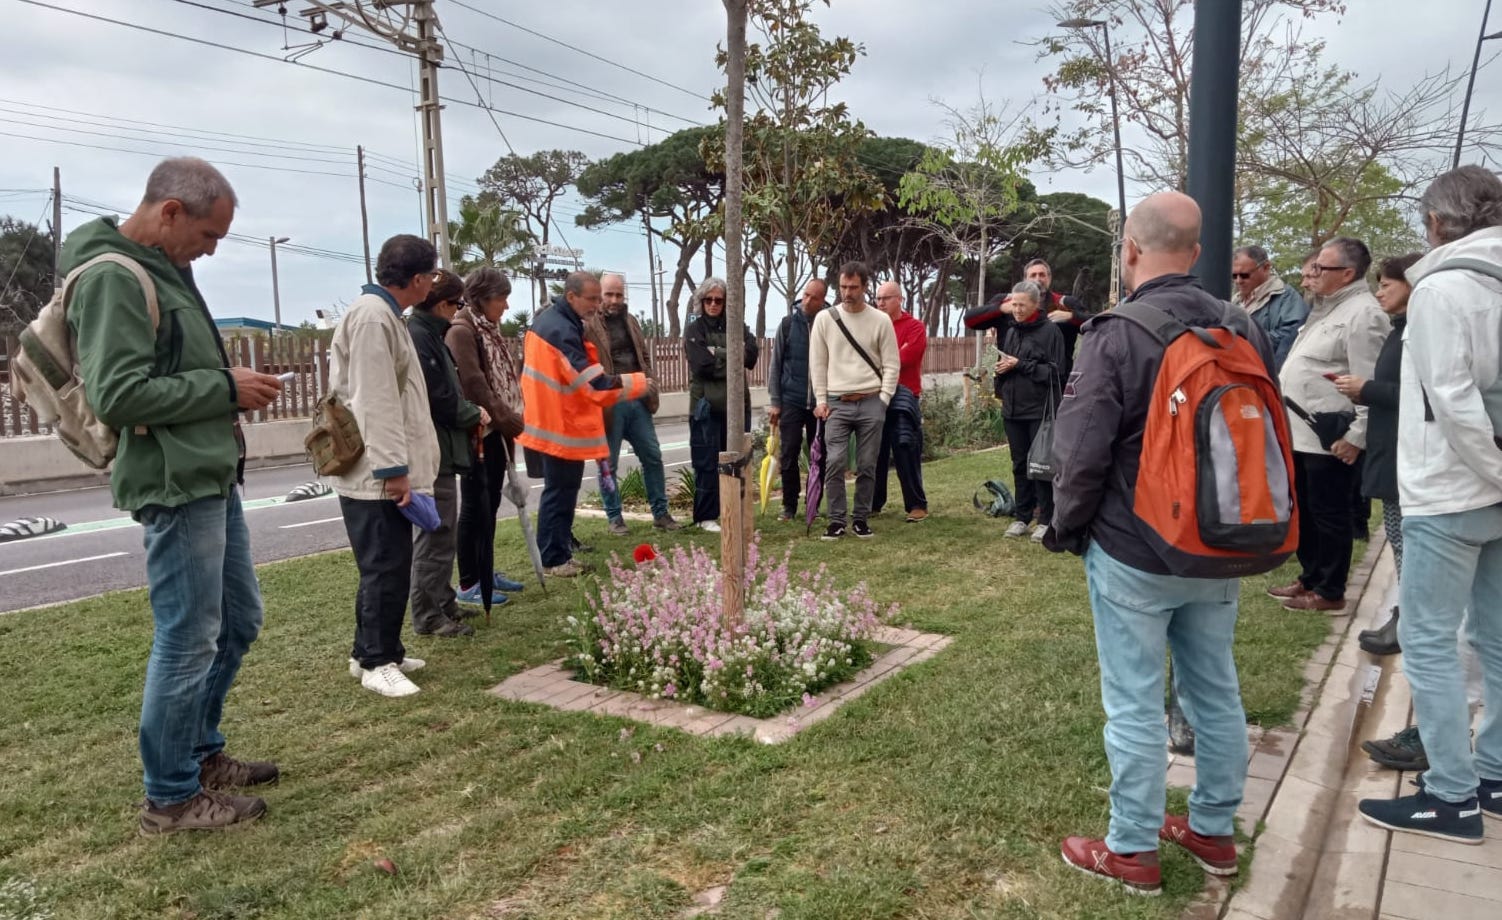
(432, 596)
(865, 420)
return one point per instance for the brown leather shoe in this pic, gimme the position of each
(206, 811)
(1285, 591)
(222, 771)
(1311, 601)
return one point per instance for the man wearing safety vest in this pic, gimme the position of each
(563, 390)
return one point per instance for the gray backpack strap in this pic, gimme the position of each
(1158, 323)
(135, 268)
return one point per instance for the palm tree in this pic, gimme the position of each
(488, 234)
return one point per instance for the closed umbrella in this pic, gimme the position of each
(765, 479)
(487, 538)
(815, 490)
(516, 492)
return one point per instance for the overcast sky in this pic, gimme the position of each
(285, 135)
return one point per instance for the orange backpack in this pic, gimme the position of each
(1215, 487)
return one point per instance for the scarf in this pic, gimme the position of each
(500, 369)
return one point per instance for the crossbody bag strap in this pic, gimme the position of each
(856, 345)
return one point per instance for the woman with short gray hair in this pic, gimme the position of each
(1028, 385)
(704, 347)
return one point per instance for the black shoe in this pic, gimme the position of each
(1384, 639)
(1489, 794)
(449, 629)
(1403, 751)
(833, 532)
(1180, 732)
(862, 530)
(1424, 814)
(578, 547)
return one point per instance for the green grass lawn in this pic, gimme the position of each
(942, 793)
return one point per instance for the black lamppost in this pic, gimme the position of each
(1213, 87)
(1105, 31)
(1465, 108)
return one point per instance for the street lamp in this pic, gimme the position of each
(1465, 108)
(276, 294)
(1105, 31)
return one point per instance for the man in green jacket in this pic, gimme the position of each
(174, 398)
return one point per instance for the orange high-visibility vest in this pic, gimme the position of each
(561, 410)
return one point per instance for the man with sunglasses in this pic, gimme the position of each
(1344, 333)
(1275, 306)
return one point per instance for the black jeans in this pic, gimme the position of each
(1032, 494)
(909, 464)
(381, 537)
(555, 510)
(707, 437)
(794, 425)
(1324, 489)
(479, 501)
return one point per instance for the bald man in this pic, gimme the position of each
(1141, 609)
(902, 437)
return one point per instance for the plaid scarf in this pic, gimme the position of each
(500, 368)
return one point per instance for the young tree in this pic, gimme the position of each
(26, 280)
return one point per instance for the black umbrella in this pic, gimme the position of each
(1329, 427)
(487, 528)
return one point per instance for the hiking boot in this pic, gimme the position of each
(1216, 855)
(833, 531)
(666, 522)
(862, 529)
(406, 665)
(1489, 794)
(916, 515)
(387, 680)
(1040, 533)
(206, 811)
(570, 569)
(1422, 813)
(578, 546)
(1311, 601)
(449, 629)
(1384, 639)
(618, 527)
(222, 771)
(1138, 873)
(1403, 751)
(1283, 592)
(1017, 529)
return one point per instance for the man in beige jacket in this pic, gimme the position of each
(1344, 333)
(374, 369)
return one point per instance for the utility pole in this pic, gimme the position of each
(646, 220)
(276, 291)
(57, 228)
(1212, 136)
(412, 26)
(364, 215)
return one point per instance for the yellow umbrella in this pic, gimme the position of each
(766, 469)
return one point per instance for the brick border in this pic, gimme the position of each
(553, 685)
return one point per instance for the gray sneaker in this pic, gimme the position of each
(666, 522)
(206, 811)
(618, 527)
(222, 771)
(448, 629)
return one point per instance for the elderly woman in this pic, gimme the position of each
(708, 363)
(489, 377)
(435, 610)
(1028, 385)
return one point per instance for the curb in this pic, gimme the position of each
(1304, 824)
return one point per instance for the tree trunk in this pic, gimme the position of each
(685, 254)
(733, 535)
(765, 275)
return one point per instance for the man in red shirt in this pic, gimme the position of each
(902, 438)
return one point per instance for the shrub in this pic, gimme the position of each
(949, 425)
(658, 629)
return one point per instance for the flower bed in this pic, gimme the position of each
(658, 629)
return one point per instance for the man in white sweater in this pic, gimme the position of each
(853, 366)
(1450, 486)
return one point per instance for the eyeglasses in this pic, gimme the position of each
(1317, 268)
(714, 300)
(889, 297)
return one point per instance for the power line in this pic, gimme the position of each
(578, 50)
(328, 70)
(161, 154)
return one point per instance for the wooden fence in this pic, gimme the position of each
(308, 360)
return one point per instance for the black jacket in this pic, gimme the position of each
(1098, 436)
(991, 317)
(453, 415)
(1379, 471)
(704, 346)
(1038, 346)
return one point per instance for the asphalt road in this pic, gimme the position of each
(101, 549)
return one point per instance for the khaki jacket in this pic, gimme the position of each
(1344, 335)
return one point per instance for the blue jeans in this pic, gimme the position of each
(206, 604)
(632, 423)
(1451, 562)
(1138, 618)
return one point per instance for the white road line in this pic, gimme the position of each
(53, 565)
(310, 523)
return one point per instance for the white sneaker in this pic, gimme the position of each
(1017, 529)
(408, 665)
(711, 526)
(387, 680)
(1039, 533)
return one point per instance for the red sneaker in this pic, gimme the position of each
(1214, 857)
(1134, 873)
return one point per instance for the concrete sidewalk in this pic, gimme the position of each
(1315, 858)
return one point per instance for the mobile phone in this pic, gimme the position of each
(1330, 377)
(287, 377)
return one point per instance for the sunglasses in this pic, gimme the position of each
(714, 300)
(1241, 276)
